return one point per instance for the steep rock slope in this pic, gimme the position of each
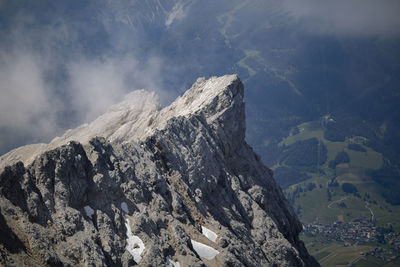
(171, 187)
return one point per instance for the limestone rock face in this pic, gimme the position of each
(177, 186)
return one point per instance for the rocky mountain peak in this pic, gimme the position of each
(220, 100)
(177, 186)
(139, 115)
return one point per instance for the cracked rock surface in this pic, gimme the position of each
(166, 172)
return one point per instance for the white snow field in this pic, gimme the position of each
(135, 245)
(172, 263)
(203, 250)
(124, 207)
(212, 236)
(89, 211)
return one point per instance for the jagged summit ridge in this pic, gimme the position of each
(120, 121)
(179, 186)
(140, 114)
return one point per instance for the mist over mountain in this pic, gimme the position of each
(73, 49)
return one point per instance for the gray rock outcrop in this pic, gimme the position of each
(155, 189)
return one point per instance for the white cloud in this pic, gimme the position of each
(348, 17)
(177, 13)
(96, 84)
(48, 82)
(26, 106)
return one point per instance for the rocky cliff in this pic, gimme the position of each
(177, 186)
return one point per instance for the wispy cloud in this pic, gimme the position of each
(360, 18)
(26, 105)
(177, 13)
(96, 84)
(49, 82)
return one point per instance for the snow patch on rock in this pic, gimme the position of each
(203, 250)
(172, 263)
(124, 207)
(135, 245)
(89, 211)
(212, 236)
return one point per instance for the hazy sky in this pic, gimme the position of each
(352, 18)
(49, 81)
(64, 63)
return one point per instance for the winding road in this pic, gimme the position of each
(370, 210)
(346, 197)
(336, 201)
